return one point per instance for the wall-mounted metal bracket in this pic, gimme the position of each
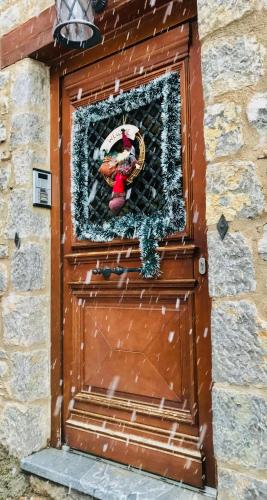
(17, 241)
(107, 271)
(222, 227)
(99, 5)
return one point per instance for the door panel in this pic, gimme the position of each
(132, 391)
(139, 351)
(137, 358)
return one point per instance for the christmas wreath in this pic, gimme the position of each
(158, 224)
(122, 167)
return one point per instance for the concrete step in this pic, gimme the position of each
(106, 480)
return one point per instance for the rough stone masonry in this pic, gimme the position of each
(25, 267)
(234, 63)
(234, 42)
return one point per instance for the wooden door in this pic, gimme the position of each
(137, 351)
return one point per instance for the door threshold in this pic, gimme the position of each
(106, 480)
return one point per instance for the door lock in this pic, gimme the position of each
(202, 267)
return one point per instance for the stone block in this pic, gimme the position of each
(262, 245)
(23, 219)
(3, 278)
(30, 85)
(237, 353)
(9, 19)
(5, 172)
(25, 320)
(215, 14)
(231, 63)
(29, 375)
(231, 269)
(3, 132)
(233, 187)
(223, 131)
(4, 79)
(3, 251)
(4, 105)
(233, 485)
(23, 162)
(3, 368)
(240, 428)
(27, 268)
(24, 430)
(3, 216)
(257, 114)
(5, 154)
(27, 128)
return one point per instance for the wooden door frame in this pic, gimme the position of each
(203, 348)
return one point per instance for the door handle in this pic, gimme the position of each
(107, 271)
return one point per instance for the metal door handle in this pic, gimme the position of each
(107, 271)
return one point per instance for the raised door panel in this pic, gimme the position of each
(135, 347)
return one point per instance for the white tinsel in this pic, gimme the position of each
(148, 228)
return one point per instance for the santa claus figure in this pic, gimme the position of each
(125, 163)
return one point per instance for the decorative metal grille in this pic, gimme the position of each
(145, 195)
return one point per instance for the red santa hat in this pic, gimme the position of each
(126, 142)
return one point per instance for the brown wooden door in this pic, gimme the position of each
(136, 351)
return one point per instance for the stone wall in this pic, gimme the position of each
(24, 271)
(13, 13)
(25, 266)
(234, 66)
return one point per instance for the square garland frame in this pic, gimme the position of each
(151, 228)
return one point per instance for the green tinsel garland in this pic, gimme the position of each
(151, 228)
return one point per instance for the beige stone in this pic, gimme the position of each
(240, 428)
(262, 245)
(24, 370)
(231, 266)
(9, 18)
(234, 190)
(3, 132)
(5, 174)
(231, 63)
(3, 215)
(4, 105)
(3, 251)
(214, 14)
(25, 320)
(233, 485)
(223, 130)
(3, 278)
(23, 429)
(29, 377)
(15, 13)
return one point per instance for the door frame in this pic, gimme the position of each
(203, 348)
